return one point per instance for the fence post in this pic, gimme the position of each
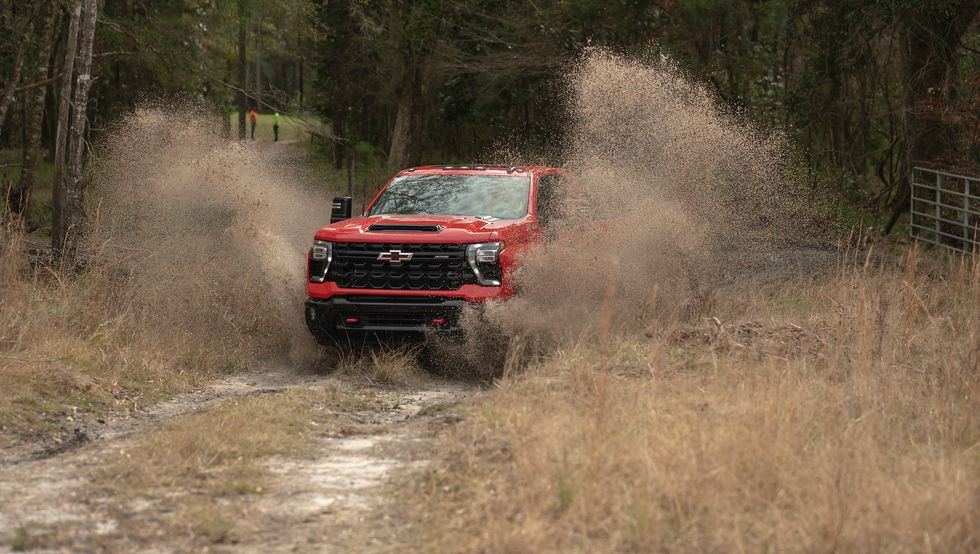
(966, 214)
(968, 242)
(939, 186)
(913, 232)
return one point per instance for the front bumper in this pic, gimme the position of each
(383, 314)
(468, 292)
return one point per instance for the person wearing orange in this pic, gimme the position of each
(253, 117)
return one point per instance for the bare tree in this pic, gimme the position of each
(61, 140)
(258, 63)
(20, 196)
(242, 68)
(7, 95)
(76, 150)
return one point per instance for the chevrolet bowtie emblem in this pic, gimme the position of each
(395, 256)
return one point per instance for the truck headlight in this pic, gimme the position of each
(321, 254)
(321, 250)
(484, 260)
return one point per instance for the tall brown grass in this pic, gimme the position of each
(82, 340)
(837, 415)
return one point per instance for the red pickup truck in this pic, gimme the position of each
(434, 240)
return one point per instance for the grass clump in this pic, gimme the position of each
(21, 541)
(388, 365)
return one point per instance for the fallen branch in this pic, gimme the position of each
(43, 83)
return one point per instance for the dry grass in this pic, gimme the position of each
(842, 415)
(78, 343)
(392, 365)
(188, 269)
(217, 449)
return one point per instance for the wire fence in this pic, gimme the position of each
(945, 209)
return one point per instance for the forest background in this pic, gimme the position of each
(863, 89)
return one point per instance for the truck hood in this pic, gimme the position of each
(453, 229)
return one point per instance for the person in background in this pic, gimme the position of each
(253, 117)
(275, 126)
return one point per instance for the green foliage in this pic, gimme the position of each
(22, 540)
(471, 75)
(828, 73)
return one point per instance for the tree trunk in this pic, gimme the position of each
(242, 69)
(61, 137)
(258, 65)
(401, 135)
(930, 45)
(20, 199)
(301, 103)
(58, 200)
(7, 94)
(408, 135)
(76, 149)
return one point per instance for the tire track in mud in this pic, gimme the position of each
(330, 498)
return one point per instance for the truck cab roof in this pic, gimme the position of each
(481, 168)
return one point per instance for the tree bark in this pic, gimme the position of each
(7, 94)
(408, 134)
(76, 150)
(401, 134)
(242, 69)
(418, 32)
(20, 198)
(58, 199)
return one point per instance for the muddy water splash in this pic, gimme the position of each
(206, 237)
(670, 200)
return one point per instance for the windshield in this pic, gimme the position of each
(497, 196)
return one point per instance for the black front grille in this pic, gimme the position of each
(356, 265)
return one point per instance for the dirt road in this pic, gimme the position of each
(327, 496)
(276, 459)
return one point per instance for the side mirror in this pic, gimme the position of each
(341, 209)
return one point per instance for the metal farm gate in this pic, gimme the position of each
(945, 209)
